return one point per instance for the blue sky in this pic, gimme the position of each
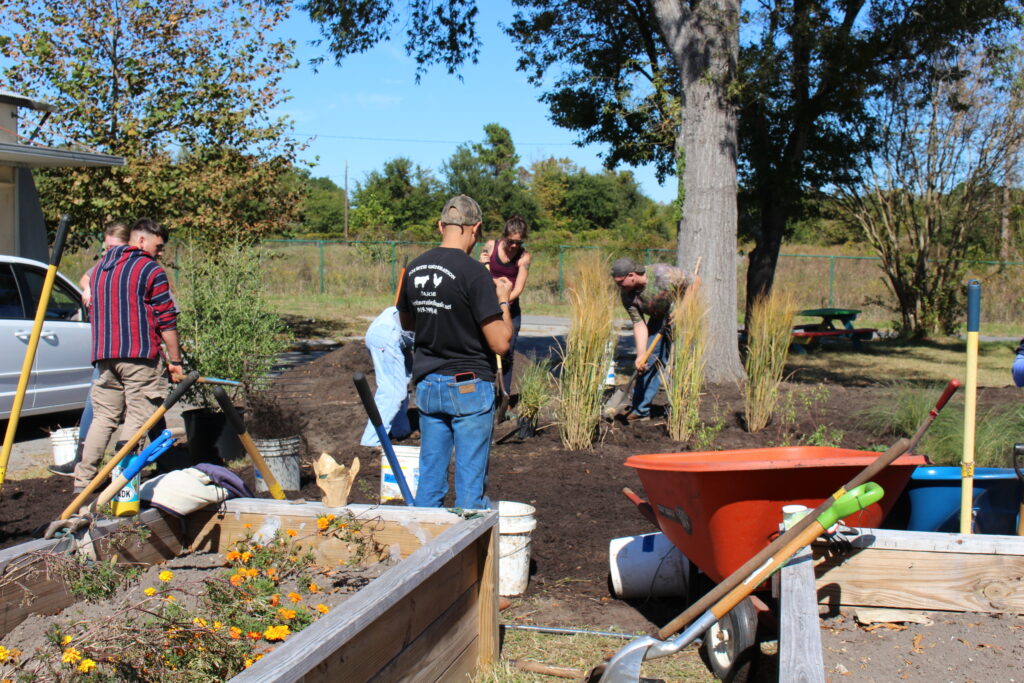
(374, 96)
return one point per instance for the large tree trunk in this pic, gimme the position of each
(764, 257)
(704, 43)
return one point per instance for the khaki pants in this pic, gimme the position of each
(134, 387)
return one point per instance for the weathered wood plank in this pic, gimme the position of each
(430, 654)
(940, 572)
(215, 528)
(490, 638)
(800, 658)
(354, 643)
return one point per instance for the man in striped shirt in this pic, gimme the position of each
(132, 313)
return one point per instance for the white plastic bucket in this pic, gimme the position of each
(647, 565)
(516, 522)
(282, 457)
(409, 461)
(65, 445)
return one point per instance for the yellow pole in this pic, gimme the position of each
(970, 402)
(33, 344)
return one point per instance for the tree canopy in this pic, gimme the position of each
(184, 91)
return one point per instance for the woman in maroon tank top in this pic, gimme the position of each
(507, 257)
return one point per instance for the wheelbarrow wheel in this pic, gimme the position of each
(730, 645)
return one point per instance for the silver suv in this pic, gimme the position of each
(61, 376)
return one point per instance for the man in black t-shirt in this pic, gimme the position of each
(461, 319)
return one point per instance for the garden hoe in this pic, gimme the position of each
(33, 344)
(87, 514)
(385, 442)
(615, 403)
(250, 447)
(625, 663)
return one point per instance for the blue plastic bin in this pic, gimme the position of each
(933, 498)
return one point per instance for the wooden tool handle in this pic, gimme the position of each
(173, 398)
(250, 447)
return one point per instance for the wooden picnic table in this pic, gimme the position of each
(829, 317)
(809, 335)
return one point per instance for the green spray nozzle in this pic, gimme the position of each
(850, 502)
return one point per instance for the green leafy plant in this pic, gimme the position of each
(769, 334)
(686, 377)
(226, 324)
(705, 433)
(804, 402)
(535, 389)
(585, 357)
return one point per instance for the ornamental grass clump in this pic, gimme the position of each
(769, 334)
(685, 377)
(585, 357)
(535, 393)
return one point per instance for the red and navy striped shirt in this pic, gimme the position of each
(131, 305)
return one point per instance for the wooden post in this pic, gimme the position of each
(799, 629)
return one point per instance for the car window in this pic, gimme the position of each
(10, 298)
(64, 304)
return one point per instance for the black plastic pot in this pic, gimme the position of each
(211, 437)
(527, 428)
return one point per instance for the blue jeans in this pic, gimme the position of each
(459, 415)
(1018, 370)
(507, 359)
(647, 384)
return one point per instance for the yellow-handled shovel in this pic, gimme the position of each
(250, 447)
(33, 344)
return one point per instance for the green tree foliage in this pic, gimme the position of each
(401, 200)
(489, 173)
(323, 207)
(184, 91)
(946, 146)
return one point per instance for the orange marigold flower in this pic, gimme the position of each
(246, 556)
(274, 600)
(252, 572)
(292, 532)
(322, 523)
(235, 633)
(70, 656)
(254, 635)
(277, 632)
(330, 518)
(233, 555)
(272, 572)
(322, 608)
(236, 580)
(286, 613)
(313, 588)
(295, 597)
(247, 526)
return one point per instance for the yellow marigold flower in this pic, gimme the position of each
(217, 624)
(322, 608)
(246, 556)
(166, 575)
(233, 555)
(199, 621)
(293, 558)
(252, 572)
(86, 666)
(292, 532)
(248, 662)
(330, 518)
(313, 588)
(295, 597)
(65, 640)
(5, 654)
(322, 523)
(170, 598)
(70, 656)
(235, 633)
(286, 613)
(150, 592)
(277, 632)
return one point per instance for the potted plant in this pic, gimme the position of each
(535, 392)
(228, 331)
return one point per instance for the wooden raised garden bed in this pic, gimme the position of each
(433, 616)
